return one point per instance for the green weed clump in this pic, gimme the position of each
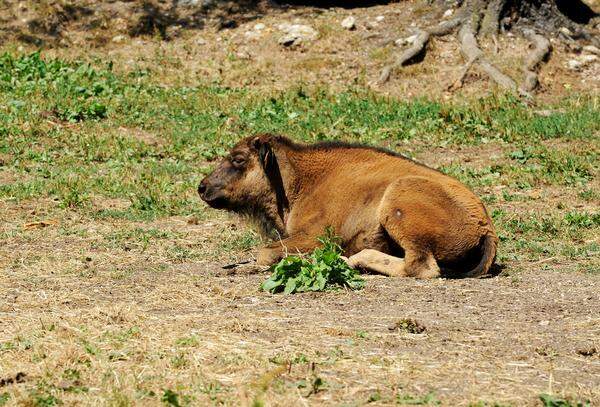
(322, 270)
(549, 400)
(80, 92)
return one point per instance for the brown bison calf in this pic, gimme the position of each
(394, 216)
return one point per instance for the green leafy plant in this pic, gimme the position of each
(409, 400)
(549, 400)
(322, 270)
(170, 398)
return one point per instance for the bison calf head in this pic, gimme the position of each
(247, 179)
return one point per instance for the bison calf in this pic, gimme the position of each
(394, 216)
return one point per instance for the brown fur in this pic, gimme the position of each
(395, 216)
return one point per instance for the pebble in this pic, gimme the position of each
(565, 31)
(406, 41)
(591, 49)
(582, 61)
(296, 34)
(349, 23)
(252, 35)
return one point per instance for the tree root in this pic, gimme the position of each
(482, 17)
(540, 52)
(491, 18)
(461, 79)
(471, 51)
(418, 46)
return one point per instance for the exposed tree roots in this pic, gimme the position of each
(471, 51)
(541, 50)
(418, 46)
(477, 18)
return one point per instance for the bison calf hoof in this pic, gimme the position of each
(267, 257)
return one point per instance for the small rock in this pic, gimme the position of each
(406, 41)
(119, 38)
(448, 13)
(259, 26)
(565, 31)
(379, 18)
(584, 60)
(371, 25)
(349, 23)
(591, 49)
(252, 35)
(200, 41)
(296, 34)
(574, 64)
(588, 59)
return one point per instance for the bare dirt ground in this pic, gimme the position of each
(89, 318)
(504, 339)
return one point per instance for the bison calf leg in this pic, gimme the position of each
(412, 265)
(272, 253)
(378, 262)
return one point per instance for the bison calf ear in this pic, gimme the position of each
(265, 153)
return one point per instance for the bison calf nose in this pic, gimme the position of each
(202, 187)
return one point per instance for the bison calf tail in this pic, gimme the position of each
(488, 251)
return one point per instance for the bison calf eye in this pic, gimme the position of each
(238, 161)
